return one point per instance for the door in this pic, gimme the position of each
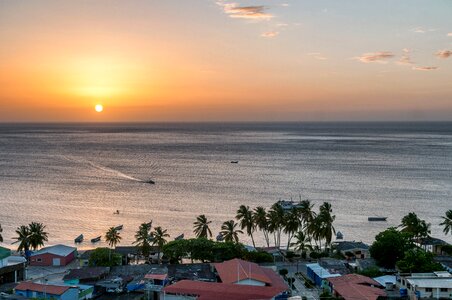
(56, 262)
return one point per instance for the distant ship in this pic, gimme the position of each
(96, 239)
(376, 219)
(79, 239)
(150, 181)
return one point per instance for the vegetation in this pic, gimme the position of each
(258, 257)
(113, 237)
(31, 237)
(390, 246)
(159, 240)
(416, 227)
(371, 272)
(102, 257)
(283, 272)
(447, 222)
(418, 261)
(245, 217)
(144, 238)
(201, 227)
(229, 233)
(261, 222)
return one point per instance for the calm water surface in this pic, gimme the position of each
(72, 177)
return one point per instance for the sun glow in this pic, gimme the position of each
(99, 108)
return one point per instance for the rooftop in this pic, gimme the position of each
(235, 270)
(222, 291)
(438, 282)
(191, 271)
(346, 246)
(37, 287)
(87, 273)
(355, 286)
(60, 250)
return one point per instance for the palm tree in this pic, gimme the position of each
(1, 237)
(412, 224)
(326, 221)
(292, 224)
(302, 242)
(308, 217)
(245, 216)
(229, 231)
(447, 223)
(276, 222)
(144, 238)
(159, 235)
(23, 238)
(261, 222)
(112, 237)
(201, 228)
(37, 235)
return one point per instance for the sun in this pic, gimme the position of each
(99, 108)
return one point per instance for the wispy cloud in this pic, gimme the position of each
(376, 57)
(425, 68)
(318, 56)
(444, 54)
(405, 59)
(234, 10)
(449, 34)
(269, 34)
(423, 30)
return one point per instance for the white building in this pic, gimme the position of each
(434, 285)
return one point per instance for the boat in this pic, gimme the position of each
(179, 237)
(376, 219)
(119, 227)
(150, 181)
(234, 162)
(288, 204)
(96, 239)
(339, 235)
(116, 212)
(79, 239)
(220, 237)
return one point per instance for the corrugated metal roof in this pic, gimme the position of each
(36, 287)
(439, 282)
(60, 250)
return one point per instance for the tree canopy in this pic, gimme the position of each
(102, 257)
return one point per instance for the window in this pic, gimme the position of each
(428, 289)
(444, 290)
(39, 259)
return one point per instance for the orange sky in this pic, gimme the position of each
(218, 60)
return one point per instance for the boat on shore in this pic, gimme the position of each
(376, 219)
(289, 204)
(96, 239)
(119, 227)
(79, 239)
(179, 237)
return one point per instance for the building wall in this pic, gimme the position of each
(432, 293)
(46, 259)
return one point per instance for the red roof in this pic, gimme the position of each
(222, 291)
(37, 287)
(235, 270)
(355, 286)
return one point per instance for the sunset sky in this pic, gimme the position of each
(207, 60)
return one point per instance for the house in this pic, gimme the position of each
(357, 250)
(30, 289)
(428, 285)
(237, 279)
(198, 272)
(83, 258)
(432, 244)
(319, 275)
(355, 286)
(12, 268)
(58, 255)
(87, 275)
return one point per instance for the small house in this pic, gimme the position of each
(58, 255)
(30, 289)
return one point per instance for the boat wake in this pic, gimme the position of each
(105, 169)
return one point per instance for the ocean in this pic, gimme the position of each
(73, 177)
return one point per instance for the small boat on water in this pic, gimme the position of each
(119, 227)
(116, 212)
(150, 181)
(376, 219)
(79, 239)
(339, 235)
(234, 162)
(96, 239)
(179, 237)
(288, 204)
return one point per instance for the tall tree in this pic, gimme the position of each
(229, 231)
(326, 219)
(144, 238)
(113, 237)
(390, 246)
(261, 222)
(292, 224)
(413, 225)
(245, 216)
(201, 227)
(160, 236)
(447, 222)
(37, 235)
(308, 218)
(23, 238)
(276, 222)
(302, 242)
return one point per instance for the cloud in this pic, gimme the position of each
(423, 30)
(444, 54)
(405, 59)
(449, 34)
(257, 12)
(269, 34)
(378, 57)
(318, 56)
(425, 68)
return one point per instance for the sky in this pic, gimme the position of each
(209, 60)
